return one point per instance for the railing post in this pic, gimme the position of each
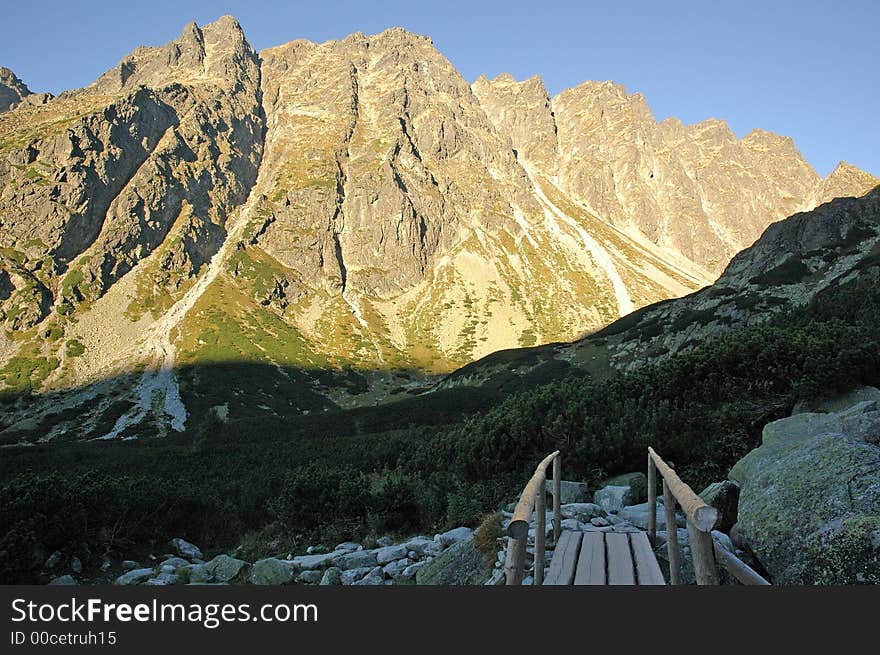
(671, 536)
(652, 500)
(516, 560)
(557, 498)
(540, 531)
(703, 554)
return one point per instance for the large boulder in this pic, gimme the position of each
(272, 571)
(809, 505)
(723, 496)
(460, 564)
(613, 499)
(637, 482)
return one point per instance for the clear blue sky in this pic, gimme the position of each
(807, 69)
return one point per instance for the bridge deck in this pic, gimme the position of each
(604, 558)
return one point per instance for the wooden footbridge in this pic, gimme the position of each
(618, 558)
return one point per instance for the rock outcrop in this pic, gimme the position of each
(809, 507)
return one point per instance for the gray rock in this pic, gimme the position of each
(423, 545)
(454, 536)
(224, 568)
(186, 549)
(724, 496)
(163, 580)
(331, 577)
(571, 492)
(76, 565)
(460, 564)
(410, 571)
(637, 482)
(318, 561)
(348, 547)
(384, 542)
(64, 580)
(310, 577)
(351, 576)
(175, 561)
(809, 504)
(599, 522)
(638, 515)
(135, 576)
(357, 559)
(581, 511)
(394, 570)
(316, 550)
(370, 580)
(129, 564)
(391, 553)
(837, 403)
(614, 499)
(572, 524)
(272, 571)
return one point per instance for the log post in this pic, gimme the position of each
(557, 498)
(516, 559)
(540, 532)
(671, 536)
(702, 515)
(652, 500)
(737, 568)
(703, 554)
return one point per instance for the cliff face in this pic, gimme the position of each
(697, 190)
(354, 211)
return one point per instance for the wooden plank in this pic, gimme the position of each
(591, 562)
(565, 557)
(647, 568)
(620, 562)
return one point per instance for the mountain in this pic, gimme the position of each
(352, 216)
(792, 263)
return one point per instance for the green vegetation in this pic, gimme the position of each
(427, 461)
(75, 348)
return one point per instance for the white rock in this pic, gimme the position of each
(353, 575)
(348, 547)
(311, 562)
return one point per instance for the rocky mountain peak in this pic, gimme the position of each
(216, 51)
(845, 181)
(12, 89)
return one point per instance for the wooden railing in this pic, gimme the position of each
(532, 501)
(706, 552)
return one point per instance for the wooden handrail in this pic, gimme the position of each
(736, 567)
(701, 520)
(518, 528)
(707, 552)
(522, 514)
(703, 516)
